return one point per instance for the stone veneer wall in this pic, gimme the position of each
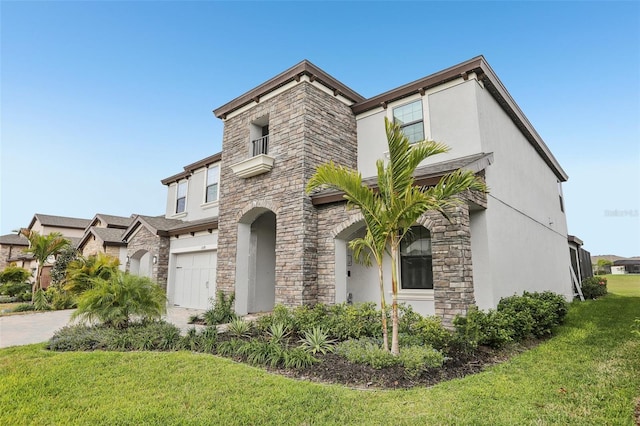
(451, 254)
(155, 245)
(93, 246)
(307, 127)
(7, 251)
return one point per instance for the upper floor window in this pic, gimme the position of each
(415, 259)
(213, 177)
(261, 145)
(409, 117)
(181, 197)
(560, 195)
(260, 136)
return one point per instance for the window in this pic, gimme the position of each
(560, 195)
(212, 184)
(409, 117)
(181, 197)
(415, 259)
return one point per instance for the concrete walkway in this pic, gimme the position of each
(39, 327)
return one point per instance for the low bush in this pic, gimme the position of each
(59, 298)
(417, 330)
(146, 335)
(416, 359)
(24, 307)
(15, 289)
(546, 310)
(594, 287)
(366, 351)
(222, 310)
(491, 328)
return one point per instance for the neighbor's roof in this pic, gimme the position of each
(14, 240)
(159, 225)
(626, 262)
(111, 221)
(294, 73)
(108, 236)
(59, 221)
(424, 175)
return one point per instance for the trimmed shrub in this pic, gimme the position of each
(491, 328)
(546, 310)
(594, 287)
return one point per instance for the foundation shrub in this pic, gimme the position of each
(417, 359)
(307, 317)
(366, 351)
(280, 315)
(491, 328)
(541, 311)
(594, 287)
(222, 310)
(416, 330)
(353, 321)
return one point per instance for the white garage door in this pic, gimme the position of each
(195, 279)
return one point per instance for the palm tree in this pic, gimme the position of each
(82, 271)
(368, 202)
(114, 301)
(42, 247)
(398, 202)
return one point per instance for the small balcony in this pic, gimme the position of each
(260, 146)
(258, 163)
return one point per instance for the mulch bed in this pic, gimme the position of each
(336, 369)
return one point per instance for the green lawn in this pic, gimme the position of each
(589, 374)
(624, 285)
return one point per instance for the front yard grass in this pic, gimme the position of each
(589, 373)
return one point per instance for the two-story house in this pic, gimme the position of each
(178, 249)
(12, 245)
(276, 244)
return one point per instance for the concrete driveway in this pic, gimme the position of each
(39, 327)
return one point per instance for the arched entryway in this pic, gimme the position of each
(256, 261)
(141, 264)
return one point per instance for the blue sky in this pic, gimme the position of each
(101, 100)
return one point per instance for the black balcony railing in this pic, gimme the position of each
(260, 146)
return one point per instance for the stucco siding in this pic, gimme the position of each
(526, 229)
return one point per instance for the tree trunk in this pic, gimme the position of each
(395, 348)
(36, 283)
(383, 308)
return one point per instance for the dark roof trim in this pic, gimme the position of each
(492, 83)
(574, 239)
(424, 176)
(189, 169)
(294, 73)
(59, 221)
(191, 227)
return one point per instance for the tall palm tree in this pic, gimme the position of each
(398, 202)
(42, 247)
(368, 202)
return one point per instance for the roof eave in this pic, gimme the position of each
(294, 73)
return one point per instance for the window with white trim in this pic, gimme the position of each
(181, 197)
(410, 119)
(213, 178)
(416, 270)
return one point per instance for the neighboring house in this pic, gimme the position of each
(626, 266)
(11, 250)
(70, 227)
(104, 235)
(272, 243)
(581, 267)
